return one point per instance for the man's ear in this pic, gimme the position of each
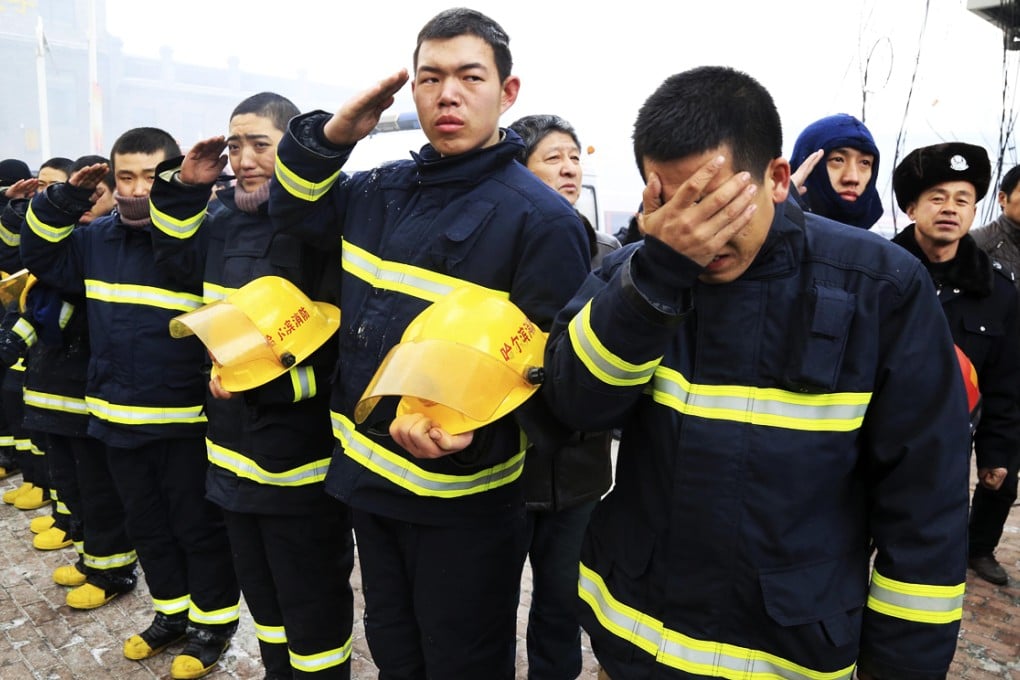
(1003, 199)
(777, 179)
(511, 86)
(910, 210)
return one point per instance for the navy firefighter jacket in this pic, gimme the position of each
(142, 384)
(777, 431)
(410, 232)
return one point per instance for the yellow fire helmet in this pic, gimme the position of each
(12, 286)
(259, 331)
(465, 361)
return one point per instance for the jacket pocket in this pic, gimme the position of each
(464, 223)
(815, 364)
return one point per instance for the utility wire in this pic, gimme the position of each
(901, 135)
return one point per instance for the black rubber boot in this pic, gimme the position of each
(202, 651)
(161, 633)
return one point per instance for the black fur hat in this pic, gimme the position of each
(927, 166)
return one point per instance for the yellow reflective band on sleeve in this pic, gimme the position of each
(405, 474)
(403, 278)
(45, 231)
(313, 663)
(915, 601)
(274, 635)
(302, 378)
(600, 362)
(55, 402)
(173, 227)
(9, 238)
(213, 292)
(301, 188)
(765, 406)
(150, 296)
(18, 365)
(246, 468)
(676, 650)
(104, 562)
(25, 330)
(66, 310)
(170, 607)
(144, 415)
(225, 615)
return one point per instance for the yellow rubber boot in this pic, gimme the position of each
(68, 575)
(41, 524)
(33, 499)
(198, 659)
(52, 539)
(161, 633)
(88, 596)
(10, 496)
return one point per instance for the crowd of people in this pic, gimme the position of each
(235, 389)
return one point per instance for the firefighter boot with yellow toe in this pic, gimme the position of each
(202, 651)
(68, 575)
(162, 632)
(41, 523)
(10, 496)
(33, 499)
(53, 538)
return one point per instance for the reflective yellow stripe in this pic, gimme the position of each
(19, 365)
(407, 475)
(766, 406)
(915, 601)
(171, 607)
(600, 362)
(302, 378)
(149, 296)
(246, 468)
(312, 663)
(45, 231)
(143, 415)
(403, 278)
(24, 330)
(9, 238)
(274, 635)
(676, 650)
(61, 507)
(55, 402)
(7, 440)
(79, 547)
(212, 292)
(110, 561)
(22, 444)
(173, 227)
(225, 615)
(66, 310)
(302, 188)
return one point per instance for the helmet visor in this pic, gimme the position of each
(229, 335)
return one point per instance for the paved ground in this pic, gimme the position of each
(46, 640)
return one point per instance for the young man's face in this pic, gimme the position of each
(849, 171)
(1010, 203)
(943, 213)
(556, 160)
(458, 94)
(739, 252)
(252, 149)
(48, 176)
(135, 172)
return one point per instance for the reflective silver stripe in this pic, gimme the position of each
(407, 475)
(916, 601)
(22, 444)
(403, 278)
(225, 615)
(62, 509)
(173, 227)
(212, 292)
(767, 406)
(175, 606)
(132, 294)
(55, 402)
(302, 378)
(24, 330)
(45, 231)
(7, 440)
(274, 635)
(110, 561)
(311, 663)
(9, 238)
(143, 415)
(600, 362)
(302, 188)
(244, 467)
(676, 650)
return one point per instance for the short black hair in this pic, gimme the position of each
(533, 129)
(703, 108)
(275, 107)
(59, 163)
(92, 159)
(1009, 180)
(453, 23)
(148, 140)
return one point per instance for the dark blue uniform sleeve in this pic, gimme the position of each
(51, 247)
(179, 211)
(998, 432)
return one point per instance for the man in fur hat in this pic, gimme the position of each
(939, 187)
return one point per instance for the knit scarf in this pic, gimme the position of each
(249, 201)
(134, 210)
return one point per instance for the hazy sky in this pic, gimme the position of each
(595, 66)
